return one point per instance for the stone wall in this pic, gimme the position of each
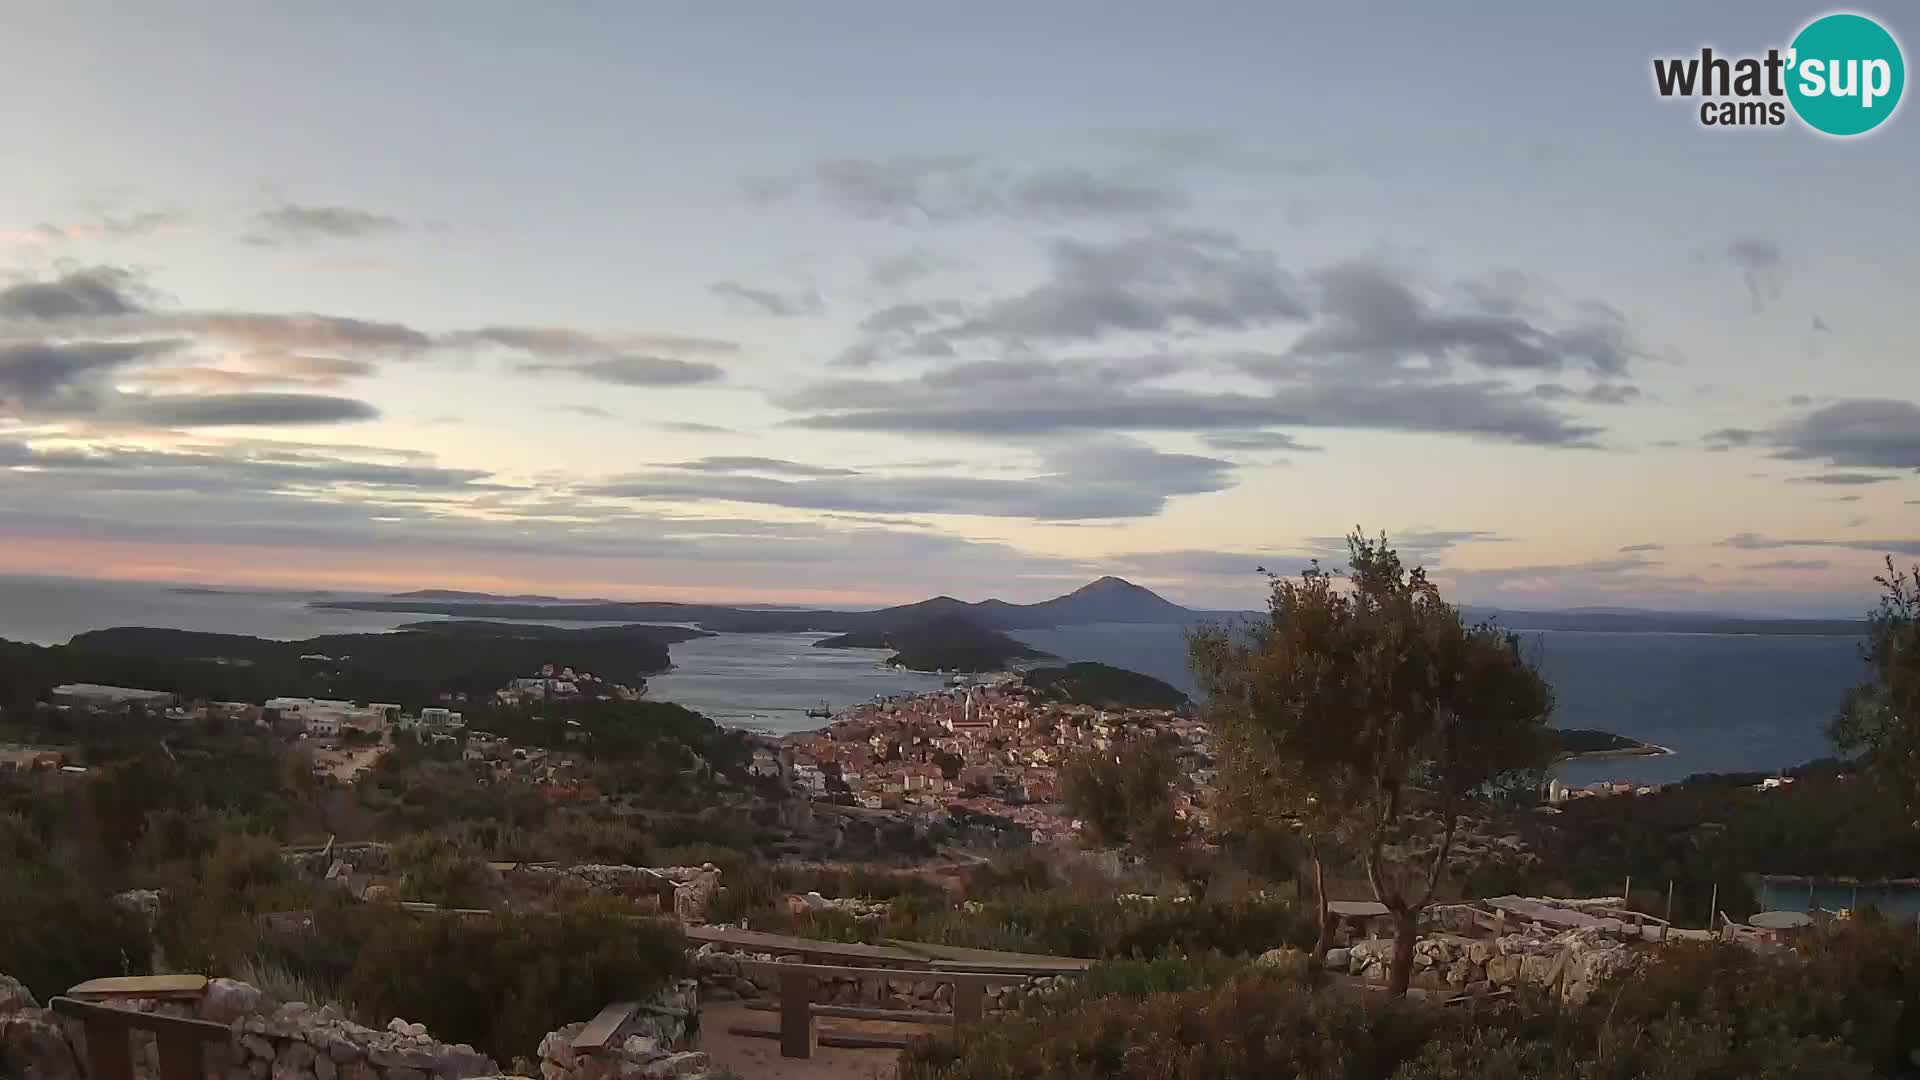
(296, 1041)
(723, 979)
(1570, 964)
(655, 1041)
(693, 887)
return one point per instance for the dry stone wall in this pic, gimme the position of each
(722, 978)
(1570, 964)
(296, 1041)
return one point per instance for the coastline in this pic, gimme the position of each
(1637, 751)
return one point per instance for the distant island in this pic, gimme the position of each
(1108, 600)
(939, 643)
(411, 666)
(1570, 743)
(1104, 686)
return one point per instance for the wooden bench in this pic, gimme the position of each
(182, 1042)
(160, 987)
(601, 1028)
(798, 1033)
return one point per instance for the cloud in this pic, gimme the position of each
(1170, 279)
(693, 427)
(747, 464)
(1820, 325)
(1597, 394)
(254, 371)
(620, 359)
(1001, 399)
(945, 188)
(216, 410)
(98, 292)
(1791, 564)
(1869, 432)
(656, 371)
(241, 467)
(593, 411)
(1860, 433)
(1255, 440)
(768, 301)
(59, 378)
(1630, 549)
(298, 332)
(1105, 479)
(296, 223)
(1760, 263)
(1369, 312)
(1843, 478)
(1748, 541)
(563, 341)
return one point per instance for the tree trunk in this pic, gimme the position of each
(1323, 919)
(1405, 926)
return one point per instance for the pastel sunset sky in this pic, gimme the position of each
(858, 302)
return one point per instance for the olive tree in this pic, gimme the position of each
(1365, 711)
(1879, 722)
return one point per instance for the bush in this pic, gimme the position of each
(55, 932)
(1082, 922)
(1843, 1007)
(503, 982)
(1255, 1027)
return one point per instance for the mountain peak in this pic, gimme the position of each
(1108, 584)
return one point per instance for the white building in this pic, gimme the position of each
(439, 719)
(93, 695)
(326, 717)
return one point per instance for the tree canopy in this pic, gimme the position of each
(1364, 711)
(1879, 723)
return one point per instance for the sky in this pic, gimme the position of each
(856, 303)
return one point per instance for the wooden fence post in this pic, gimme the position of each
(797, 1027)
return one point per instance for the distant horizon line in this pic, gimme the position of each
(1853, 614)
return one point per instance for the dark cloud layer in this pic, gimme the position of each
(1370, 312)
(1027, 399)
(294, 223)
(1870, 433)
(93, 293)
(220, 410)
(749, 464)
(657, 371)
(1760, 542)
(1090, 481)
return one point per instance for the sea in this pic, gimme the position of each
(1719, 702)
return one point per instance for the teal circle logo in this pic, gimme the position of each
(1845, 74)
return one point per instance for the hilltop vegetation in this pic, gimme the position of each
(1107, 600)
(1105, 687)
(1838, 1010)
(941, 643)
(409, 667)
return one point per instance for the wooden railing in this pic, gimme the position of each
(798, 1033)
(182, 1042)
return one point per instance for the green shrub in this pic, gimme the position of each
(502, 982)
(55, 932)
(1255, 1027)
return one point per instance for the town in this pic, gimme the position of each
(993, 748)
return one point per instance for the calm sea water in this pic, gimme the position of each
(1720, 702)
(767, 682)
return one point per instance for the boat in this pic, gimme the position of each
(820, 711)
